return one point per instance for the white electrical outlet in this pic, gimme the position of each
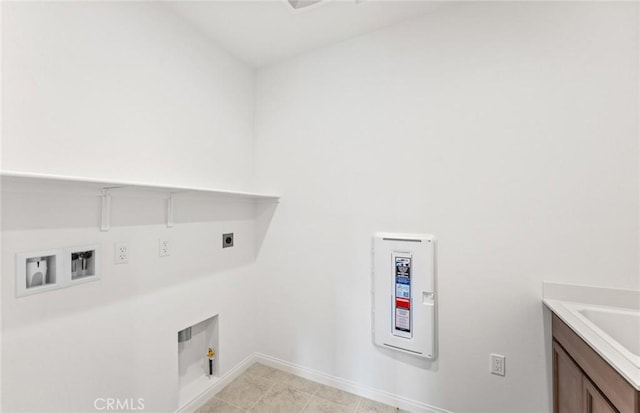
(497, 364)
(165, 248)
(121, 254)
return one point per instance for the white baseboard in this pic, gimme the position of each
(313, 375)
(349, 386)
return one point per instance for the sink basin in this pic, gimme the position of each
(607, 319)
(619, 326)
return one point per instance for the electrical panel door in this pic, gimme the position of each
(403, 292)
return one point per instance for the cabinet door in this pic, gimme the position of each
(567, 382)
(594, 401)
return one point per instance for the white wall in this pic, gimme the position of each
(122, 91)
(117, 337)
(1, 114)
(510, 131)
(516, 129)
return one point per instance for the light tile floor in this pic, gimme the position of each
(262, 389)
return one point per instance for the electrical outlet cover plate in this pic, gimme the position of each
(165, 248)
(497, 364)
(121, 253)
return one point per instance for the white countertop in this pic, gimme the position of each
(566, 301)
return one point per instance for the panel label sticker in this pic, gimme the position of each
(402, 302)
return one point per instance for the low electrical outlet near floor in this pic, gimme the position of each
(165, 248)
(497, 364)
(121, 253)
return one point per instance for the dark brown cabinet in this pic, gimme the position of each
(594, 401)
(583, 382)
(567, 382)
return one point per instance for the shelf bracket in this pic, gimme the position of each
(105, 219)
(170, 211)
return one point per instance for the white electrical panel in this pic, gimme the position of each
(403, 293)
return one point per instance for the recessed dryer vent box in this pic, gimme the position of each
(404, 304)
(38, 271)
(82, 263)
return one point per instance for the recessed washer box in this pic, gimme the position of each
(38, 271)
(403, 293)
(82, 263)
(47, 270)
